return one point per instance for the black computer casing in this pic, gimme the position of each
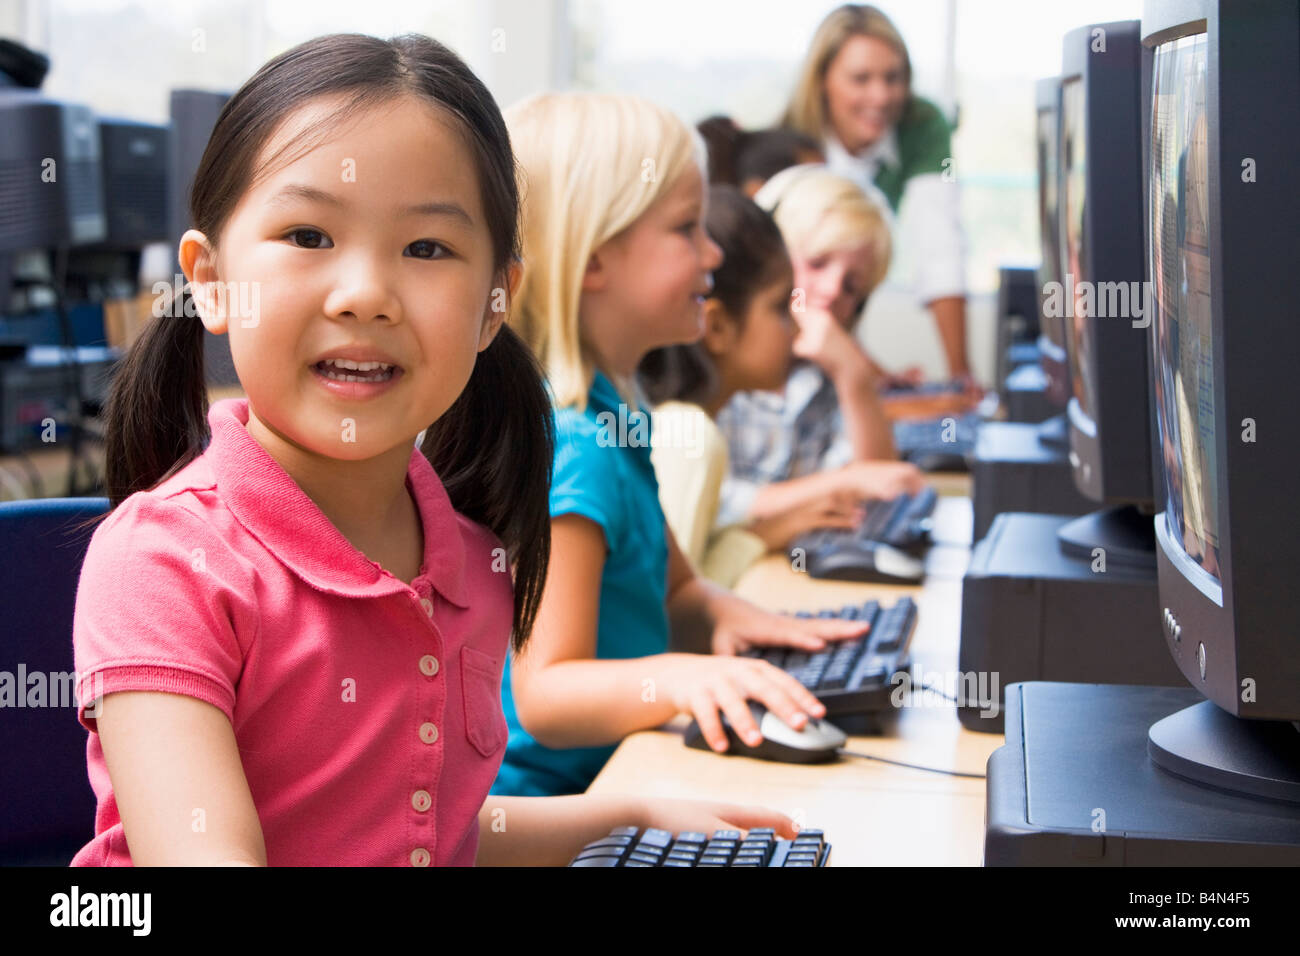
(1015, 469)
(1031, 612)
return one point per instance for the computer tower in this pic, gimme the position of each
(1016, 468)
(1025, 395)
(51, 192)
(135, 160)
(1073, 786)
(1031, 612)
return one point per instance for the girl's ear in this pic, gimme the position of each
(593, 279)
(199, 263)
(503, 293)
(721, 331)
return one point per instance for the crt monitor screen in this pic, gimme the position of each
(1050, 268)
(1182, 272)
(1076, 267)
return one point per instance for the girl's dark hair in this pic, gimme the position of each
(754, 255)
(493, 448)
(737, 156)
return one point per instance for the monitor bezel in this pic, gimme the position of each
(1051, 341)
(1243, 621)
(1109, 444)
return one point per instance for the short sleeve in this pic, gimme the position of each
(162, 605)
(585, 480)
(690, 461)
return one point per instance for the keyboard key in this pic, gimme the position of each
(692, 837)
(646, 858)
(596, 861)
(657, 837)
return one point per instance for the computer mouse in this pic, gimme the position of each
(816, 743)
(867, 561)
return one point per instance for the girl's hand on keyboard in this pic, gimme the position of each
(702, 816)
(842, 509)
(739, 626)
(881, 479)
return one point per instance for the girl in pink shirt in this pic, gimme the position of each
(290, 630)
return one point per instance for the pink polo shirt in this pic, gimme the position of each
(367, 711)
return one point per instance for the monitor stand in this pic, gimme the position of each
(1208, 745)
(1074, 785)
(1030, 611)
(1012, 470)
(1124, 534)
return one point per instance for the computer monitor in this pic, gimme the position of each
(1222, 111)
(1103, 295)
(1051, 340)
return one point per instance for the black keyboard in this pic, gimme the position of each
(884, 548)
(629, 846)
(854, 676)
(938, 444)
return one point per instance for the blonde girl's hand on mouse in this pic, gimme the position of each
(708, 685)
(702, 816)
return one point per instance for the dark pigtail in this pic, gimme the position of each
(493, 451)
(156, 420)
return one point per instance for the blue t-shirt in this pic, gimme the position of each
(602, 472)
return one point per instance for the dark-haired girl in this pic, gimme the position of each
(291, 628)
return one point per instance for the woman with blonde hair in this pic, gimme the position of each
(616, 263)
(854, 95)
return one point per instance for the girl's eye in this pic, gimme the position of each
(687, 228)
(428, 249)
(309, 239)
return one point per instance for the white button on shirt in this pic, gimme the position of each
(428, 733)
(428, 665)
(421, 800)
(419, 857)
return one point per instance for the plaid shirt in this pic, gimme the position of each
(776, 437)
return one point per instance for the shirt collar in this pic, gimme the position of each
(276, 511)
(883, 152)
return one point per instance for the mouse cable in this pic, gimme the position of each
(911, 766)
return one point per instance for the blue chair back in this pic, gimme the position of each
(47, 809)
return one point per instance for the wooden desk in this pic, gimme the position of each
(872, 813)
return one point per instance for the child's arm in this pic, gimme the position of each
(565, 697)
(178, 781)
(549, 831)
